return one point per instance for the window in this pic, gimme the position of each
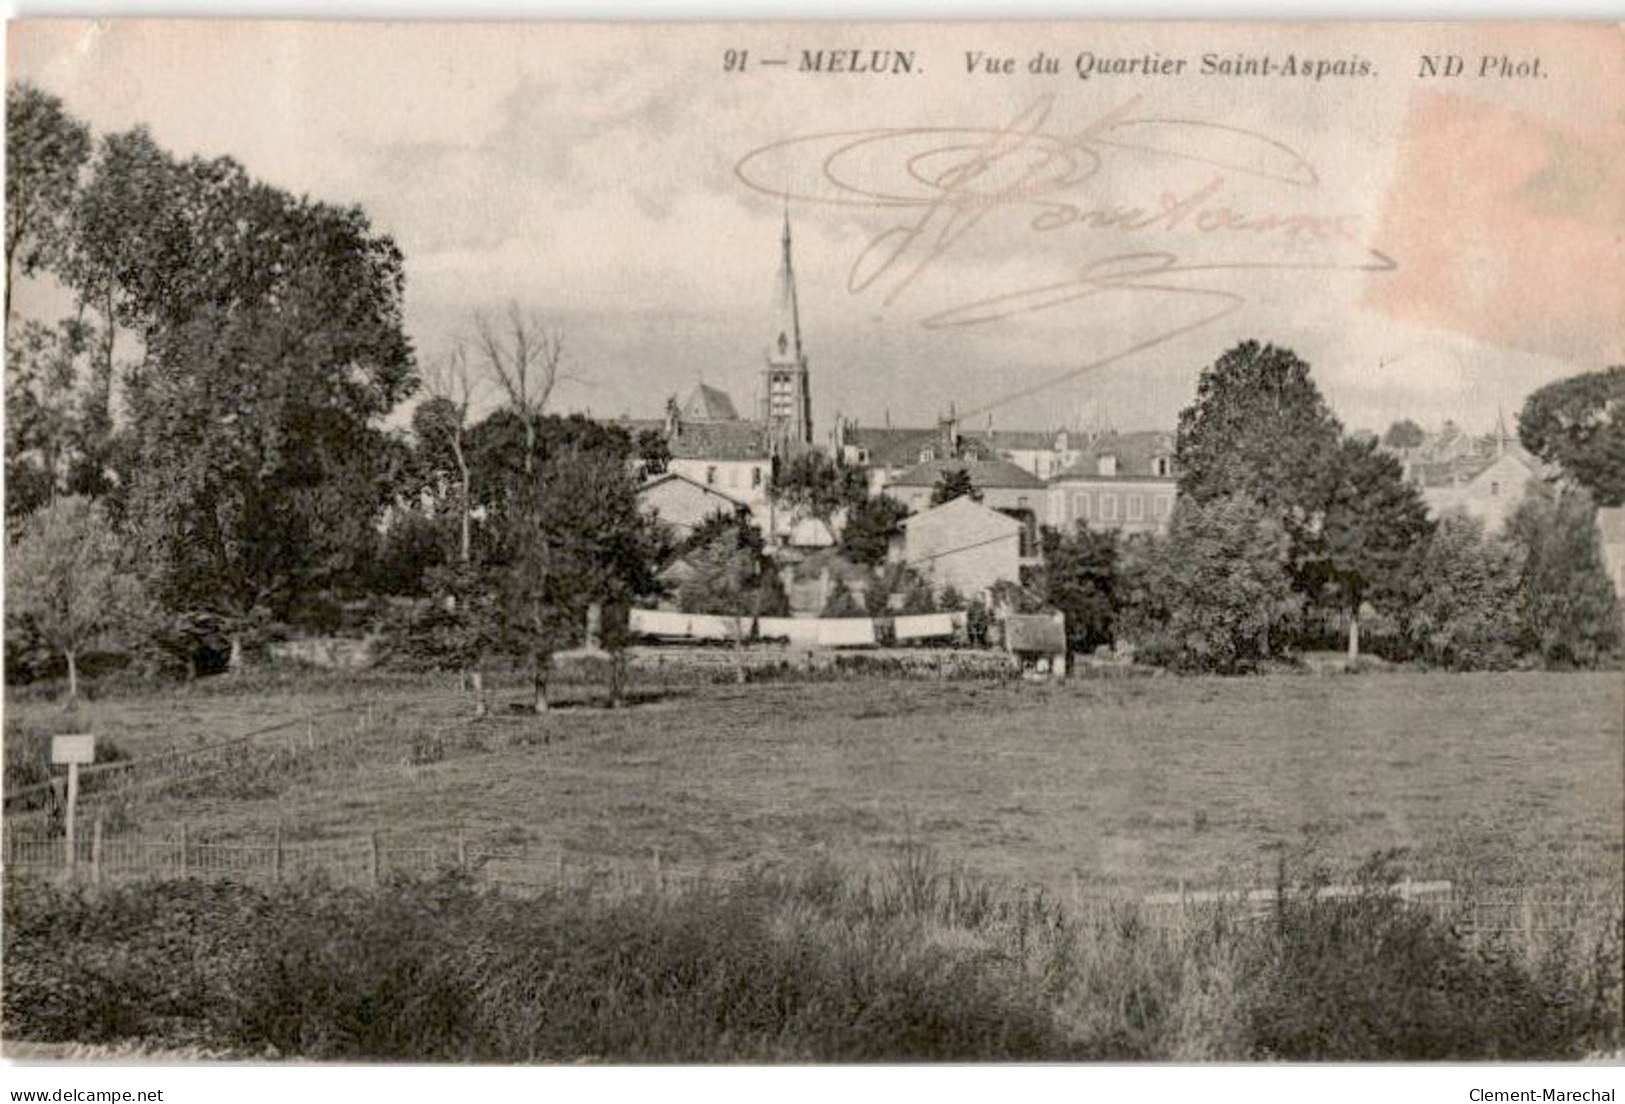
(733, 477)
(755, 476)
(1108, 506)
(1106, 464)
(1495, 488)
(1136, 507)
(1159, 506)
(927, 455)
(711, 474)
(1160, 465)
(1080, 505)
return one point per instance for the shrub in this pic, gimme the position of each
(915, 963)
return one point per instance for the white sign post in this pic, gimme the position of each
(73, 750)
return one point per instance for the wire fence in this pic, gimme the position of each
(100, 858)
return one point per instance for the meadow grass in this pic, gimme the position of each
(917, 962)
(1092, 785)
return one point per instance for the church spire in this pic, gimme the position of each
(787, 312)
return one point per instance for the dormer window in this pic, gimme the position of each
(1107, 464)
(927, 454)
(784, 344)
(1160, 465)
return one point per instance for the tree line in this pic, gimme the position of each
(198, 452)
(1285, 525)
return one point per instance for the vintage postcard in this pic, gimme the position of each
(815, 543)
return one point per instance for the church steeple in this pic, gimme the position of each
(787, 394)
(787, 311)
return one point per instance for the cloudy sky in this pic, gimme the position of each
(1038, 249)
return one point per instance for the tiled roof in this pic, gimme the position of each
(708, 404)
(735, 440)
(679, 477)
(888, 447)
(983, 473)
(1006, 440)
(1135, 454)
(1464, 469)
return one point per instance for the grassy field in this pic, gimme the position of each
(1132, 784)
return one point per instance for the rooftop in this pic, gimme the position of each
(983, 473)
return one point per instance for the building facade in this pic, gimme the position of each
(965, 545)
(1121, 481)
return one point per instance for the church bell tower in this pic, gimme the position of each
(786, 391)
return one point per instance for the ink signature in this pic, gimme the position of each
(945, 182)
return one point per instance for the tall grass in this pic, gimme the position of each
(913, 963)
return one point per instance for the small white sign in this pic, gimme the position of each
(73, 749)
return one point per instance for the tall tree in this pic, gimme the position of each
(1464, 611)
(271, 351)
(1374, 526)
(1221, 582)
(1579, 424)
(1260, 428)
(65, 574)
(442, 427)
(1079, 578)
(524, 357)
(46, 148)
(1571, 613)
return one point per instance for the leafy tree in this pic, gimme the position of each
(841, 601)
(730, 580)
(954, 483)
(732, 523)
(1465, 610)
(1260, 428)
(1079, 578)
(1579, 424)
(654, 451)
(259, 474)
(870, 529)
(1374, 525)
(1404, 434)
(1571, 613)
(46, 148)
(814, 482)
(1222, 576)
(41, 377)
(64, 575)
(567, 531)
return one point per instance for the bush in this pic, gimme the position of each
(917, 963)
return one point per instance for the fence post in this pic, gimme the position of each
(186, 842)
(375, 863)
(656, 864)
(310, 735)
(96, 852)
(462, 851)
(276, 857)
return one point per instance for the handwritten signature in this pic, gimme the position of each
(945, 182)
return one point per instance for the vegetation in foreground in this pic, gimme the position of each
(818, 965)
